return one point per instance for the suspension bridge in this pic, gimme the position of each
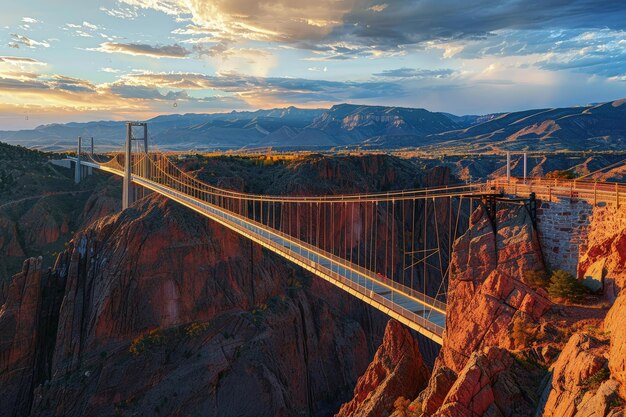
(388, 249)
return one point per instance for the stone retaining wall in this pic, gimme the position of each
(567, 227)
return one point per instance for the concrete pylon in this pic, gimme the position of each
(77, 167)
(127, 189)
(90, 169)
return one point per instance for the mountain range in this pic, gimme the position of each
(597, 126)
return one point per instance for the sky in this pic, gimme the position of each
(66, 60)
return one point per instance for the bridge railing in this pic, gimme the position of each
(550, 189)
(391, 284)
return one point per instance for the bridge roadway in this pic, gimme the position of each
(412, 308)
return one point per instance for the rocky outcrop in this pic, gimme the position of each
(614, 326)
(580, 385)
(166, 312)
(492, 383)
(486, 289)
(602, 263)
(432, 398)
(396, 371)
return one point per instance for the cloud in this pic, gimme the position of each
(383, 26)
(90, 26)
(137, 49)
(416, 73)
(20, 60)
(110, 70)
(30, 20)
(84, 30)
(378, 7)
(121, 12)
(261, 91)
(68, 95)
(415, 23)
(170, 7)
(261, 20)
(21, 40)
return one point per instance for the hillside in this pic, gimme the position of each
(345, 125)
(597, 127)
(41, 207)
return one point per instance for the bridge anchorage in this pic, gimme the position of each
(389, 249)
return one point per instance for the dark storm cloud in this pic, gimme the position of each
(414, 22)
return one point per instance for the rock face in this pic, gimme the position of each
(432, 398)
(267, 339)
(580, 385)
(492, 384)
(18, 327)
(25, 347)
(475, 373)
(486, 290)
(614, 325)
(603, 259)
(396, 371)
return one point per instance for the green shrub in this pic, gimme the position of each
(564, 286)
(596, 379)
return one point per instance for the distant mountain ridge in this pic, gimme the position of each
(578, 128)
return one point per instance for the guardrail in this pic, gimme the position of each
(549, 189)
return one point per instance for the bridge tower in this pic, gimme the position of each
(78, 168)
(133, 130)
(90, 169)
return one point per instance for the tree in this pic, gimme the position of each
(565, 286)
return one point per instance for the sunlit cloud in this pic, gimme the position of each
(378, 7)
(137, 49)
(20, 60)
(20, 40)
(110, 70)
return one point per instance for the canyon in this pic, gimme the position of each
(157, 311)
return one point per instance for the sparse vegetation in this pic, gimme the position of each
(594, 381)
(195, 329)
(561, 175)
(564, 286)
(524, 332)
(537, 278)
(142, 343)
